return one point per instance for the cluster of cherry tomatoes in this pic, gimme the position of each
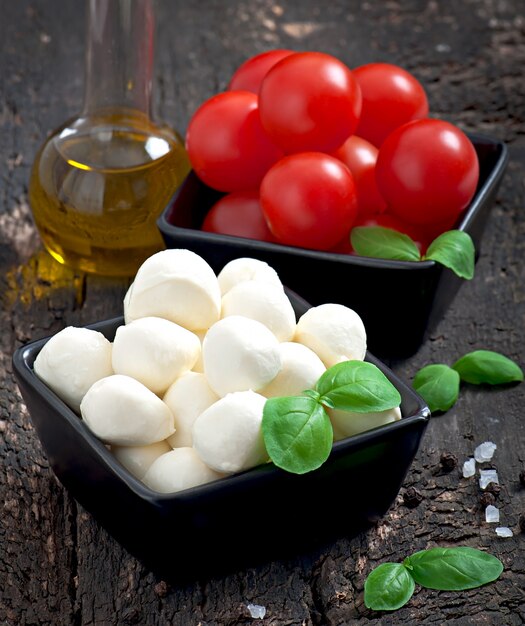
(306, 149)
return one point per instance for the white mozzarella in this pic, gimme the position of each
(227, 436)
(187, 398)
(177, 285)
(334, 332)
(138, 459)
(240, 354)
(199, 365)
(265, 302)
(121, 411)
(346, 423)
(71, 361)
(301, 369)
(177, 470)
(243, 269)
(154, 351)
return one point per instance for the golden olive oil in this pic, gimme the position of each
(97, 187)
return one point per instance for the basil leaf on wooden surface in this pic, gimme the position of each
(357, 386)
(388, 587)
(453, 569)
(438, 385)
(455, 250)
(383, 243)
(485, 366)
(297, 433)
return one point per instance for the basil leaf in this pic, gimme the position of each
(388, 587)
(383, 243)
(312, 394)
(438, 385)
(455, 250)
(297, 433)
(485, 366)
(357, 386)
(454, 569)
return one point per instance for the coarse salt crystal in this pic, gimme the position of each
(504, 531)
(491, 514)
(469, 468)
(485, 451)
(256, 611)
(487, 477)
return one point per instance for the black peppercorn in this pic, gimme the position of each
(161, 589)
(412, 498)
(487, 498)
(494, 489)
(448, 461)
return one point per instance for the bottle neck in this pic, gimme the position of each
(119, 56)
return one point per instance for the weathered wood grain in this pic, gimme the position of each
(57, 566)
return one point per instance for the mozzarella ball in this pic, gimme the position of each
(187, 398)
(199, 365)
(177, 285)
(121, 411)
(334, 332)
(240, 354)
(301, 369)
(348, 423)
(138, 459)
(154, 351)
(177, 470)
(240, 270)
(228, 435)
(127, 299)
(264, 302)
(71, 361)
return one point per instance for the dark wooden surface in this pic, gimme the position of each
(57, 566)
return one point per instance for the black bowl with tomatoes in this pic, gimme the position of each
(399, 301)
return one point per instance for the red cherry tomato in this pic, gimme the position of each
(360, 157)
(386, 220)
(427, 171)
(238, 214)
(344, 246)
(391, 97)
(309, 200)
(309, 101)
(432, 231)
(227, 145)
(249, 75)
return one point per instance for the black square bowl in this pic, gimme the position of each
(238, 520)
(399, 301)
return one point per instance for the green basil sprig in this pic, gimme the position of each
(438, 384)
(297, 433)
(485, 366)
(453, 569)
(391, 585)
(384, 243)
(297, 430)
(388, 587)
(357, 386)
(453, 249)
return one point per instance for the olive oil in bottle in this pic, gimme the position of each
(99, 182)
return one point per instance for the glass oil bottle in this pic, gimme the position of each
(100, 181)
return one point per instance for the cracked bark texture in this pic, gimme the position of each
(57, 566)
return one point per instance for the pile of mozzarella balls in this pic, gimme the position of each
(179, 394)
